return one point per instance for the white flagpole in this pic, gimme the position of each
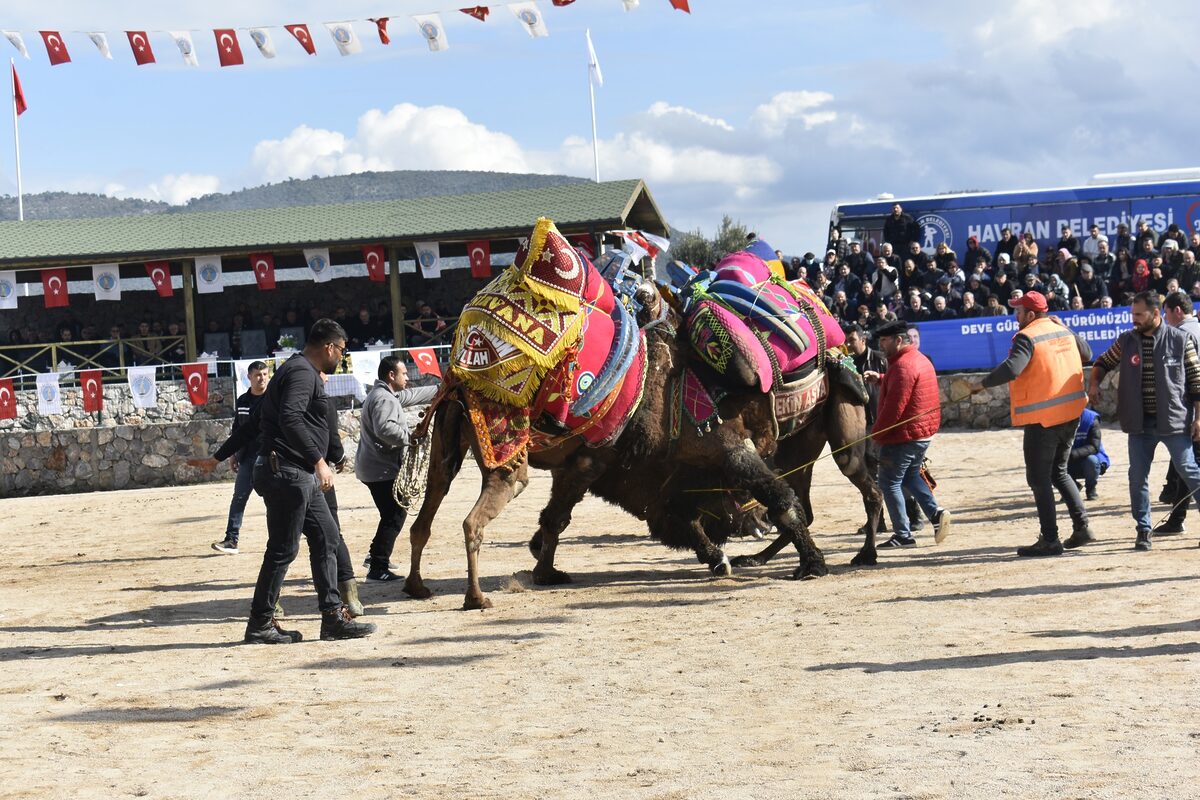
(12, 79)
(592, 97)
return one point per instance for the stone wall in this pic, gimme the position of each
(989, 408)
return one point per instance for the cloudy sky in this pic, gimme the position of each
(770, 111)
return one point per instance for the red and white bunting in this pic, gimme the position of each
(8, 399)
(480, 253)
(160, 275)
(56, 48)
(303, 37)
(373, 257)
(140, 44)
(54, 288)
(91, 389)
(263, 266)
(195, 377)
(229, 52)
(426, 361)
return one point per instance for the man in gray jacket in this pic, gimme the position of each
(383, 437)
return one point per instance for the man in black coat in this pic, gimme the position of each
(899, 229)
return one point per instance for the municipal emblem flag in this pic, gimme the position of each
(56, 48)
(381, 26)
(429, 259)
(8, 400)
(262, 40)
(106, 279)
(530, 17)
(480, 253)
(49, 397)
(100, 39)
(374, 259)
(344, 37)
(91, 388)
(263, 265)
(140, 44)
(303, 37)
(195, 377)
(318, 264)
(431, 28)
(209, 277)
(228, 50)
(593, 62)
(160, 276)
(8, 289)
(142, 386)
(364, 365)
(17, 41)
(426, 361)
(187, 48)
(54, 287)
(630, 5)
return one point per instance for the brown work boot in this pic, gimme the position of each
(338, 624)
(1079, 537)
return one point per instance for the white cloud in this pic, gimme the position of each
(663, 109)
(772, 117)
(173, 189)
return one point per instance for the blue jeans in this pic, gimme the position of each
(1087, 470)
(900, 471)
(243, 487)
(1141, 454)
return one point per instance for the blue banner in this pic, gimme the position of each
(982, 342)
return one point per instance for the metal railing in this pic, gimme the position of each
(103, 354)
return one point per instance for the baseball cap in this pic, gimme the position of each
(1034, 301)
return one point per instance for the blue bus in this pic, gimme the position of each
(1162, 198)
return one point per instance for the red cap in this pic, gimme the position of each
(1034, 301)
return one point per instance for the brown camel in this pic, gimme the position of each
(643, 462)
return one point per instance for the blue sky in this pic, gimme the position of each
(770, 111)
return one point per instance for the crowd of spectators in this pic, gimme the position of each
(875, 283)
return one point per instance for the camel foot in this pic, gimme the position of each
(416, 589)
(741, 562)
(865, 559)
(476, 603)
(535, 546)
(722, 569)
(550, 577)
(808, 572)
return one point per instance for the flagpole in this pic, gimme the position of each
(12, 79)
(592, 97)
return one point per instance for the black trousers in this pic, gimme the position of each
(295, 505)
(345, 571)
(391, 522)
(1047, 451)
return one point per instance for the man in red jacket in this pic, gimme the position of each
(908, 417)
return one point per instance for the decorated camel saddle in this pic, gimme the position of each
(548, 352)
(752, 329)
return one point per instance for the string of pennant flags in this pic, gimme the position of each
(210, 274)
(343, 34)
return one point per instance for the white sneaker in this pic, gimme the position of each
(941, 525)
(228, 546)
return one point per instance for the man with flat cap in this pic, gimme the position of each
(1044, 370)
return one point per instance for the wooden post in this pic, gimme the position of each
(189, 311)
(394, 290)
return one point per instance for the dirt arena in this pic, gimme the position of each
(946, 671)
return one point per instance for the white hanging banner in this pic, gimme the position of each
(318, 264)
(106, 280)
(262, 40)
(429, 258)
(101, 41)
(8, 289)
(209, 277)
(344, 37)
(15, 38)
(531, 18)
(365, 366)
(143, 386)
(49, 397)
(187, 48)
(431, 28)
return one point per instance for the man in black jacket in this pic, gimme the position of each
(291, 474)
(242, 460)
(899, 229)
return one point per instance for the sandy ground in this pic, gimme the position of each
(946, 671)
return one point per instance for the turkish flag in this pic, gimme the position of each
(160, 276)
(586, 244)
(228, 50)
(478, 12)
(18, 93)
(481, 258)
(303, 37)
(195, 377)
(56, 48)
(381, 24)
(682, 5)
(374, 259)
(92, 388)
(54, 287)
(263, 265)
(140, 44)
(426, 361)
(562, 2)
(8, 400)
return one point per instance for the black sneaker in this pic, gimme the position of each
(269, 632)
(391, 567)
(1092, 494)
(382, 576)
(338, 624)
(1143, 541)
(917, 524)
(941, 525)
(1079, 538)
(1169, 527)
(1042, 547)
(226, 545)
(897, 541)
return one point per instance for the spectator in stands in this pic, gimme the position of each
(883, 314)
(270, 329)
(847, 282)
(821, 287)
(917, 256)
(1195, 293)
(886, 279)
(977, 289)
(911, 276)
(236, 325)
(793, 270)
(943, 255)
(1194, 246)
(945, 288)
(829, 267)
(1141, 275)
(1088, 286)
(429, 324)
(809, 267)
(970, 309)
(1144, 234)
(1173, 234)
(1025, 248)
(361, 329)
(1007, 244)
(1032, 283)
(940, 310)
(899, 229)
(975, 252)
(1189, 270)
(1004, 263)
(888, 254)
(1091, 245)
(383, 320)
(994, 308)
(916, 311)
(1002, 284)
(836, 244)
(1076, 303)
(1172, 256)
(1103, 262)
(957, 279)
(1068, 241)
(175, 353)
(840, 307)
(144, 349)
(857, 260)
(1121, 278)
(1122, 240)
(867, 296)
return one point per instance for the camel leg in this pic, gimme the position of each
(570, 484)
(499, 487)
(847, 423)
(680, 511)
(445, 458)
